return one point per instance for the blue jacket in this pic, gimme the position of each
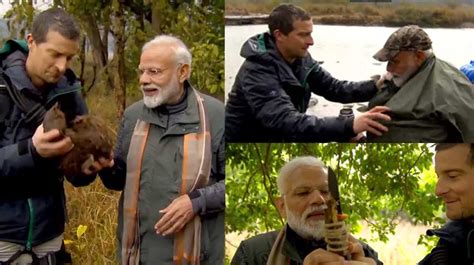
(455, 245)
(32, 201)
(468, 70)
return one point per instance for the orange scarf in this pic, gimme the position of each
(196, 169)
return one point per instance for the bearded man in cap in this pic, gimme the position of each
(430, 100)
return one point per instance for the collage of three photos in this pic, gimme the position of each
(207, 132)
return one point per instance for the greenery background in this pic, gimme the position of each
(382, 186)
(113, 34)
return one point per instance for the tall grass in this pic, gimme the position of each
(94, 206)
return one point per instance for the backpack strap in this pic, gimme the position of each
(34, 111)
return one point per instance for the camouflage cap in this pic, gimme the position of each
(407, 38)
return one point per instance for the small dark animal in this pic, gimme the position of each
(91, 138)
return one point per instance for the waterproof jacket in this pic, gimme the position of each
(468, 70)
(255, 250)
(269, 98)
(161, 172)
(455, 245)
(32, 201)
(434, 106)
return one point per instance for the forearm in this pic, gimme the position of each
(300, 127)
(323, 84)
(209, 199)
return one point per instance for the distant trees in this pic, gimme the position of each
(130, 23)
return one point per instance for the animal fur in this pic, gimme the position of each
(91, 138)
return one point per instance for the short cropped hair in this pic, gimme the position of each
(54, 19)
(444, 146)
(283, 16)
(291, 166)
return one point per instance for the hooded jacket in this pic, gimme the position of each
(269, 98)
(455, 245)
(32, 201)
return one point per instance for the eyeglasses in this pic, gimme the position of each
(154, 71)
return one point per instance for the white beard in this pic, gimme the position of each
(164, 95)
(399, 81)
(305, 228)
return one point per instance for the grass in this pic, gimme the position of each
(343, 13)
(91, 230)
(94, 206)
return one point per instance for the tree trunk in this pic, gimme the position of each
(119, 56)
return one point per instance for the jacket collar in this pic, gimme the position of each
(263, 47)
(458, 233)
(14, 68)
(185, 121)
(297, 248)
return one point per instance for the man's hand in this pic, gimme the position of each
(367, 121)
(324, 257)
(176, 216)
(92, 166)
(357, 252)
(380, 80)
(51, 143)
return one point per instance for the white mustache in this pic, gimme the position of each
(150, 86)
(314, 208)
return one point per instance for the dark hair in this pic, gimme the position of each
(444, 146)
(54, 19)
(283, 16)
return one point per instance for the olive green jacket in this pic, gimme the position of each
(435, 105)
(255, 250)
(160, 178)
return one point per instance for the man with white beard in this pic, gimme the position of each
(303, 185)
(430, 100)
(169, 163)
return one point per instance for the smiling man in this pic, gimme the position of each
(454, 165)
(303, 185)
(430, 100)
(273, 87)
(169, 163)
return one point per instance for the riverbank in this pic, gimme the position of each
(361, 14)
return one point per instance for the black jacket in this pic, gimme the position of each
(255, 250)
(32, 201)
(269, 98)
(455, 245)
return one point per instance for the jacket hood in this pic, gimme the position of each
(260, 45)
(458, 233)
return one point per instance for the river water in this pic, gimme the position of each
(347, 52)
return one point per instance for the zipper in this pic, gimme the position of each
(304, 83)
(30, 225)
